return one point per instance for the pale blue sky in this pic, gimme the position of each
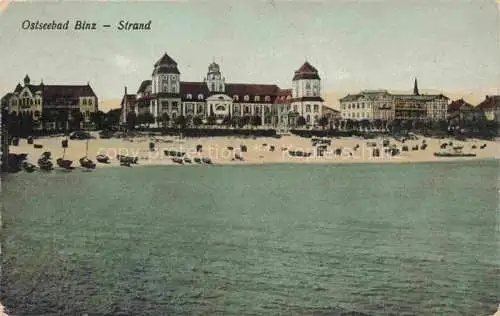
(451, 46)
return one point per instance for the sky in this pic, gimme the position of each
(451, 46)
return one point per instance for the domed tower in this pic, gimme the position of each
(166, 76)
(306, 82)
(214, 79)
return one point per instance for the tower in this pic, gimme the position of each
(306, 82)
(415, 88)
(214, 80)
(166, 76)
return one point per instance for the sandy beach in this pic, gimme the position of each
(221, 150)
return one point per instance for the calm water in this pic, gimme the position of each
(416, 239)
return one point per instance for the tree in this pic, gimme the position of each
(227, 120)
(131, 119)
(197, 121)
(323, 121)
(112, 118)
(62, 119)
(377, 123)
(365, 124)
(242, 121)
(148, 118)
(165, 119)
(76, 119)
(98, 119)
(211, 120)
(255, 120)
(301, 121)
(180, 121)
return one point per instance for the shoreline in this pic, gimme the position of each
(259, 151)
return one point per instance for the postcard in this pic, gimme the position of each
(249, 157)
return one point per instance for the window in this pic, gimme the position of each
(235, 98)
(295, 107)
(174, 88)
(220, 108)
(308, 85)
(165, 87)
(308, 118)
(213, 86)
(199, 109)
(189, 96)
(247, 109)
(267, 98)
(90, 101)
(174, 106)
(308, 108)
(84, 101)
(246, 98)
(363, 106)
(257, 98)
(349, 106)
(316, 108)
(357, 105)
(200, 96)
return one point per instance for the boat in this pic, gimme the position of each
(178, 160)
(102, 158)
(206, 160)
(197, 159)
(28, 167)
(64, 163)
(86, 162)
(457, 152)
(127, 159)
(187, 160)
(45, 164)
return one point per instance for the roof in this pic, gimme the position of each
(165, 60)
(458, 105)
(144, 85)
(490, 102)
(195, 89)
(369, 94)
(306, 71)
(252, 90)
(283, 96)
(420, 97)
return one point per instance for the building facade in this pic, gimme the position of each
(166, 95)
(491, 107)
(51, 99)
(382, 105)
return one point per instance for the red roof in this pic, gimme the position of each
(252, 90)
(490, 102)
(306, 71)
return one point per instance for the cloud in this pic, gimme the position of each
(339, 75)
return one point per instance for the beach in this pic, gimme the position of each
(222, 150)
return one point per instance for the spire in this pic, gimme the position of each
(26, 80)
(415, 88)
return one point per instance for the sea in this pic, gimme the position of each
(359, 239)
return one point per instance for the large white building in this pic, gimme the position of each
(380, 104)
(166, 93)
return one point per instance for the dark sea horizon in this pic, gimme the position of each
(279, 239)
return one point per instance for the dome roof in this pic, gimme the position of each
(306, 71)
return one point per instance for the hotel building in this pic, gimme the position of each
(276, 107)
(51, 99)
(380, 104)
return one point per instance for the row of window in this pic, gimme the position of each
(235, 97)
(355, 106)
(89, 101)
(356, 115)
